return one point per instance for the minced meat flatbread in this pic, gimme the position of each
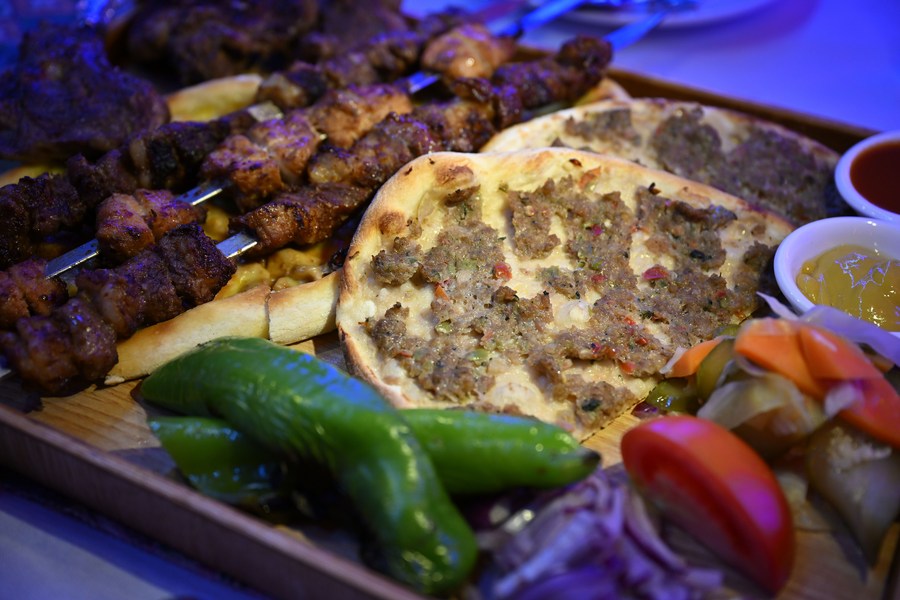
(554, 282)
(746, 156)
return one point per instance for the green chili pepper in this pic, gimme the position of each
(221, 462)
(473, 453)
(482, 453)
(293, 403)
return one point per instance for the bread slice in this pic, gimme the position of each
(551, 282)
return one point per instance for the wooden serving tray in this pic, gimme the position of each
(96, 448)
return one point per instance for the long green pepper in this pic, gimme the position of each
(473, 453)
(295, 404)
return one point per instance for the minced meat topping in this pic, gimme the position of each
(479, 319)
(766, 168)
(687, 233)
(599, 125)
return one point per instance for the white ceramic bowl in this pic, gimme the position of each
(845, 186)
(813, 239)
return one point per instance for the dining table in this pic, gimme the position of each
(833, 60)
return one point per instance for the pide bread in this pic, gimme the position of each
(551, 282)
(754, 159)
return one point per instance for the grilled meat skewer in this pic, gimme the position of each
(75, 343)
(342, 181)
(168, 157)
(127, 223)
(272, 155)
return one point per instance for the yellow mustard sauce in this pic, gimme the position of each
(856, 280)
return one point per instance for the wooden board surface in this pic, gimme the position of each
(96, 447)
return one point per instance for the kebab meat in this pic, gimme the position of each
(203, 39)
(35, 209)
(63, 96)
(74, 344)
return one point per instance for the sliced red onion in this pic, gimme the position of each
(594, 541)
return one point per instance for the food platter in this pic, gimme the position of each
(96, 447)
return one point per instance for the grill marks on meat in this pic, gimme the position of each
(169, 157)
(49, 105)
(306, 216)
(269, 157)
(75, 344)
(272, 156)
(344, 115)
(463, 125)
(128, 223)
(62, 350)
(561, 78)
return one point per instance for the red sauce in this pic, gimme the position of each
(876, 175)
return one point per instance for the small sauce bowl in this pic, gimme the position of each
(814, 239)
(868, 176)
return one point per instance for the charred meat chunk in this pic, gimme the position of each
(61, 351)
(128, 223)
(32, 209)
(197, 268)
(468, 51)
(306, 216)
(64, 97)
(205, 39)
(24, 291)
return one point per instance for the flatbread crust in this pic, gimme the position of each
(755, 159)
(440, 317)
(215, 98)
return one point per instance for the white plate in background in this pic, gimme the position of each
(707, 12)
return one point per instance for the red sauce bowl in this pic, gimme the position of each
(868, 176)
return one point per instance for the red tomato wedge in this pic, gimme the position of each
(711, 483)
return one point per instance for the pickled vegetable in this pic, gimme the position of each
(860, 478)
(713, 366)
